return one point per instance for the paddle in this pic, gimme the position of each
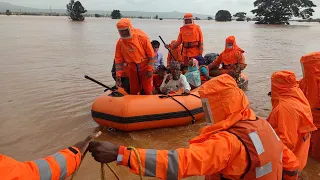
(168, 48)
(93, 80)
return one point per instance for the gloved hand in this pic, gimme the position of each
(167, 46)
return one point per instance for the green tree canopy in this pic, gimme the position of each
(280, 11)
(223, 15)
(116, 14)
(241, 16)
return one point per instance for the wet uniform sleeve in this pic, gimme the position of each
(150, 53)
(285, 125)
(215, 64)
(206, 158)
(290, 164)
(241, 60)
(179, 40)
(58, 166)
(201, 40)
(119, 60)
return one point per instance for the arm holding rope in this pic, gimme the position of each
(196, 160)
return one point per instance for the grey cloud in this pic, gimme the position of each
(209, 7)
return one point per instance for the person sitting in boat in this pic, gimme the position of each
(159, 56)
(203, 68)
(58, 166)
(183, 69)
(193, 74)
(134, 50)
(175, 81)
(231, 59)
(176, 52)
(158, 79)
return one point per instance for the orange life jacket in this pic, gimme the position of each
(264, 149)
(190, 35)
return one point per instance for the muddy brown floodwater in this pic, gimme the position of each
(45, 101)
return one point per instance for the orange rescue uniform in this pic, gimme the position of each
(135, 51)
(237, 146)
(176, 54)
(291, 115)
(59, 166)
(230, 59)
(191, 38)
(310, 85)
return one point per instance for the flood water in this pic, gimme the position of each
(45, 101)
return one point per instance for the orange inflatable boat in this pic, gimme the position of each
(137, 112)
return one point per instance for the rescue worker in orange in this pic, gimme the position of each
(239, 145)
(58, 166)
(135, 50)
(176, 54)
(311, 87)
(291, 115)
(231, 60)
(191, 38)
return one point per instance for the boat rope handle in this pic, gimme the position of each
(139, 159)
(190, 113)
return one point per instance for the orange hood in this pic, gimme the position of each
(232, 39)
(285, 91)
(228, 104)
(125, 23)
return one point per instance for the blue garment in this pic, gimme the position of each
(193, 76)
(203, 70)
(159, 60)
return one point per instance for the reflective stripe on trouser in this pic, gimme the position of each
(45, 170)
(151, 164)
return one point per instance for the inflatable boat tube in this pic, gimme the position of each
(138, 112)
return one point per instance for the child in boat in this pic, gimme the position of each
(184, 69)
(159, 57)
(158, 79)
(193, 74)
(175, 81)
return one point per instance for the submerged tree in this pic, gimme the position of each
(75, 10)
(223, 15)
(116, 14)
(280, 11)
(241, 16)
(210, 18)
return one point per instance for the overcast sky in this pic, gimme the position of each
(208, 7)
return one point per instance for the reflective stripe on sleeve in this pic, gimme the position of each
(151, 163)
(44, 169)
(256, 142)
(173, 165)
(263, 170)
(61, 160)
